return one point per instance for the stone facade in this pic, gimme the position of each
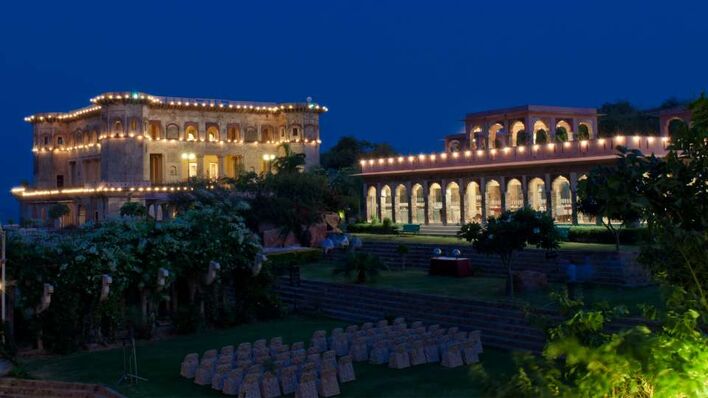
(498, 164)
(142, 146)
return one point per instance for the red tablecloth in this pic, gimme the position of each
(450, 266)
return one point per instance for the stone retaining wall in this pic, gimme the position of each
(502, 326)
(610, 268)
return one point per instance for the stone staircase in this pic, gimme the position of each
(502, 326)
(439, 230)
(23, 388)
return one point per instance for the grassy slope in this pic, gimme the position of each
(450, 240)
(159, 362)
(484, 288)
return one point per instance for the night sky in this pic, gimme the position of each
(404, 72)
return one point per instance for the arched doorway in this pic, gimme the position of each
(473, 203)
(401, 208)
(514, 195)
(418, 204)
(493, 191)
(476, 138)
(496, 135)
(518, 134)
(371, 210)
(452, 203)
(435, 204)
(563, 131)
(537, 194)
(386, 203)
(561, 201)
(540, 132)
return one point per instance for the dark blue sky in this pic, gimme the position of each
(405, 72)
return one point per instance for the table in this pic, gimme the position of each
(450, 266)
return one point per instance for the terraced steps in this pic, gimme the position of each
(22, 388)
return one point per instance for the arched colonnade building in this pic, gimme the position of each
(490, 168)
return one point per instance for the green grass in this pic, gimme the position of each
(486, 288)
(451, 240)
(159, 362)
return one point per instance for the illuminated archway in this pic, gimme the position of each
(473, 203)
(537, 194)
(212, 134)
(418, 204)
(561, 201)
(514, 195)
(401, 208)
(540, 132)
(493, 200)
(371, 210)
(386, 203)
(518, 133)
(435, 204)
(452, 203)
(584, 131)
(563, 131)
(191, 133)
(494, 130)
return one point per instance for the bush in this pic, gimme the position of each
(366, 228)
(187, 319)
(279, 262)
(629, 236)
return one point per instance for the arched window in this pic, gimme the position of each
(540, 132)
(117, 127)
(233, 133)
(172, 132)
(191, 133)
(251, 135)
(496, 135)
(454, 146)
(154, 132)
(518, 133)
(60, 141)
(563, 131)
(212, 134)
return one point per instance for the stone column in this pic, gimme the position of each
(483, 195)
(576, 129)
(502, 193)
(443, 196)
(507, 133)
(379, 211)
(426, 201)
(549, 195)
(200, 166)
(525, 190)
(529, 121)
(463, 197)
(573, 197)
(222, 168)
(552, 130)
(393, 202)
(409, 193)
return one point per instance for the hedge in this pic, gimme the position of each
(366, 228)
(628, 236)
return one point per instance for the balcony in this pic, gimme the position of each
(596, 149)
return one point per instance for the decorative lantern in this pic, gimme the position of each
(437, 252)
(456, 252)
(106, 281)
(46, 298)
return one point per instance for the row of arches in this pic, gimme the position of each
(496, 135)
(452, 204)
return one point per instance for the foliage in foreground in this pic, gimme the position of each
(362, 266)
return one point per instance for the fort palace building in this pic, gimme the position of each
(505, 159)
(142, 147)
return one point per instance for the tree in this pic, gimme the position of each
(541, 136)
(611, 194)
(347, 152)
(363, 266)
(512, 231)
(289, 162)
(622, 118)
(57, 211)
(133, 209)
(561, 134)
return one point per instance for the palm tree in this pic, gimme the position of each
(364, 266)
(290, 162)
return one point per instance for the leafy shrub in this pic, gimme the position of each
(630, 236)
(373, 228)
(363, 266)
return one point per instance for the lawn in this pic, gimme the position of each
(451, 240)
(159, 361)
(485, 288)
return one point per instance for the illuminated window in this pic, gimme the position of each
(192, 169)
(60, 140)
